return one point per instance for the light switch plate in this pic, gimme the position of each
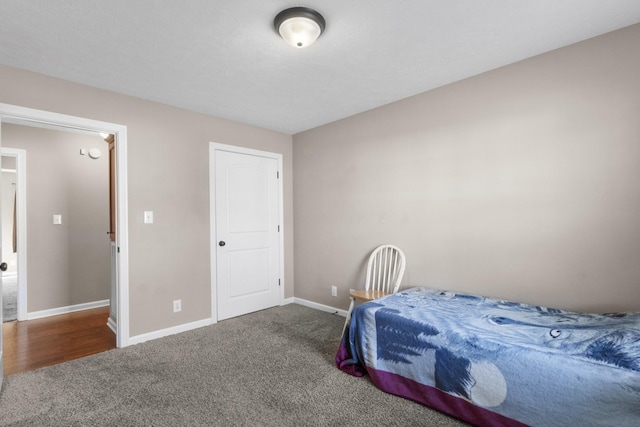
(57, 219)
(148, 217)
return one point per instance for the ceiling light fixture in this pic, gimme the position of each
(299, 26)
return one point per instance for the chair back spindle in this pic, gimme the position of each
(385, 269)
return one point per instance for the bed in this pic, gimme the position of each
(492, 363)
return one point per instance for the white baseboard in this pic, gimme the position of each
(169, 331)
(112, 325)
(68, 309)
(138, 339)
(321, 307)
(288, 301)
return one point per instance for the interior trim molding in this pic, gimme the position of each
(320, 307)
(68, 309)
(138, 339)
(112, 325)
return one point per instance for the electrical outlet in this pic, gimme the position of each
(334, 291)
(177, 305)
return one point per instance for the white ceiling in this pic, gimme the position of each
(224, 58)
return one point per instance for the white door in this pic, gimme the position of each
(247, 227)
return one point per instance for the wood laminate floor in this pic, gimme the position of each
(34, 344)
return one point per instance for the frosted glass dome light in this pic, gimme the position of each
(299, 26)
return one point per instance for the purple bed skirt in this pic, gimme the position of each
(424, 394)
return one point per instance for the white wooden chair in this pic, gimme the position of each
(384, 274)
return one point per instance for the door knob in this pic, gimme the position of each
(221, 243)
(3, 266)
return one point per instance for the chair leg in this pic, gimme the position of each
(348, 319)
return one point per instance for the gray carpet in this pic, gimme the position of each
(271, 368)
(9, 302)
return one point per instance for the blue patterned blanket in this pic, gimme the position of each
(492, 362)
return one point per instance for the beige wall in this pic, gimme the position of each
(68, 264)
(168, 171)
(521, 183)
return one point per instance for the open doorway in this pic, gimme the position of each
(68, 245)
(13, 214)
(43, 119)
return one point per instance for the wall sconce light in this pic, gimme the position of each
(299, 26)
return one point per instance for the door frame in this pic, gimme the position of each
(213, 147)
(40, 118)
(21, 221)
